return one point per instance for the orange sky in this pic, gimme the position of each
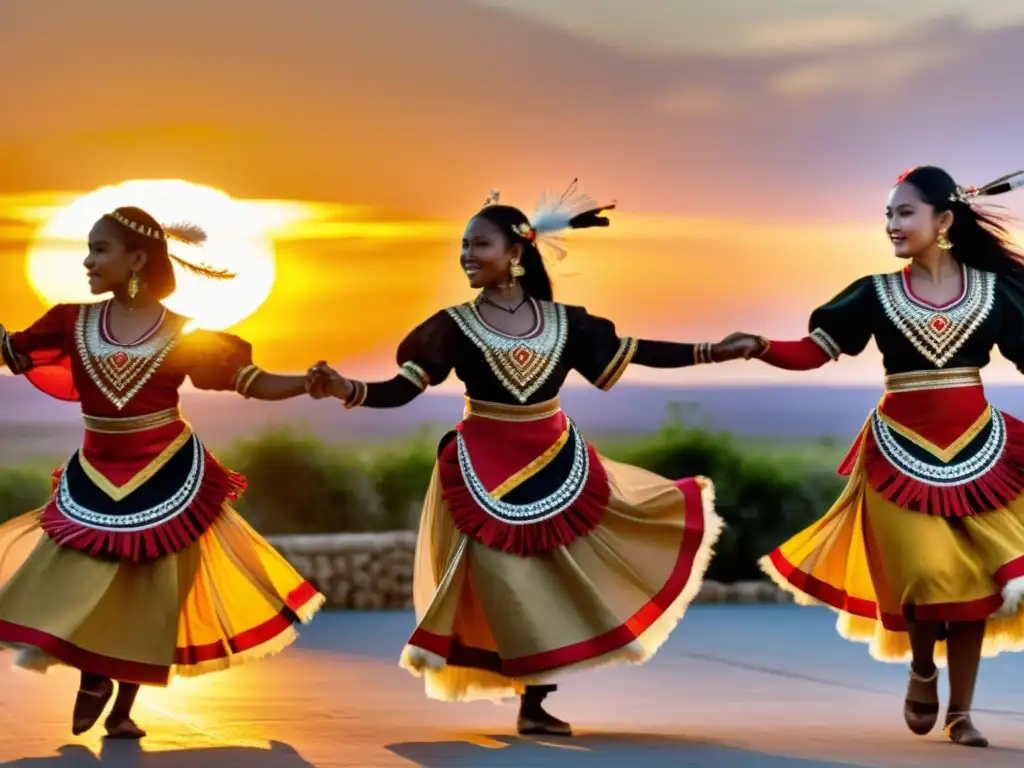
(750, 173)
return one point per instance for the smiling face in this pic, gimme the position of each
(487, 254)
(912, 224)
(110, 264)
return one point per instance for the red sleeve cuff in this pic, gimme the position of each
(803, 355)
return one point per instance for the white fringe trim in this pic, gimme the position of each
(1013, 593)
(423, 663)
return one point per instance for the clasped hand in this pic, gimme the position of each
(737, 345)
(323, 381)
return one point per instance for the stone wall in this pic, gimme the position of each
(373, 571)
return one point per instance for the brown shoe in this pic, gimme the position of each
(960, 730)
(534, 720)
(89, 705)
(921, 707)
(123, 727)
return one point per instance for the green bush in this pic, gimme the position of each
(298, 484)
(22, 489)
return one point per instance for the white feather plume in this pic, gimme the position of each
(185, 232)
(552, 216)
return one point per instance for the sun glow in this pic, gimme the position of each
(239, 240)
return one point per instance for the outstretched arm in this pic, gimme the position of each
(424, 359)
(602, 356)
(843, 326)
(324, 381)
(274, 386)
(803, 355)
(222, 362)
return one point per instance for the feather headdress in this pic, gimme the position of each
(183, 232)
(554, 215)
(1000, 186)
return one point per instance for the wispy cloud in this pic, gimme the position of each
(867, 73)
(657, 28)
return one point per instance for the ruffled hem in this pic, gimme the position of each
(807, 590)
(219, 485)
(635, 641)
(37, 651)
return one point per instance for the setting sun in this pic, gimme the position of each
(238, 234)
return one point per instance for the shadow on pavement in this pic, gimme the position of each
(605, 750)
(130, 754)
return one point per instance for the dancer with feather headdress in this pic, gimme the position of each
(535, 554)
(138, 569)
(922, 556)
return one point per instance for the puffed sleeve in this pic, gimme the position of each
(42, 352)
(220, 362)
(843, 326)
(424, 359)
(1010, 339)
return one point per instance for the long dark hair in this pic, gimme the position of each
(980, 236)
(536, 282)
(158, 273)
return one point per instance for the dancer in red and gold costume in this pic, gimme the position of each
(138, 570)
(535, 554)
(923, 554)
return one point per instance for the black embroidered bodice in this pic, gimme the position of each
(516, 370)
(913, 335)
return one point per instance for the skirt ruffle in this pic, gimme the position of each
(226, 599)
(492, 622)
(878, 564)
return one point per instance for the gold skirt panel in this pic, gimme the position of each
(228, 598)
(613, 596)
(877, 564)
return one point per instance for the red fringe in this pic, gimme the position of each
(993, 490)
(219, 485)
(532, 538)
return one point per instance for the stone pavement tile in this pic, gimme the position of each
(736, 687)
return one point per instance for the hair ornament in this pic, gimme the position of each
(1000, 186)
(182, 232)
(569, 210)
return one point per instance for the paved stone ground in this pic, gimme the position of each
(768, 686)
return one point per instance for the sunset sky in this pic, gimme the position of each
(750, 145)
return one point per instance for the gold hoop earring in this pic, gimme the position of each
(943, 241)
(134, 285)
(516, 270)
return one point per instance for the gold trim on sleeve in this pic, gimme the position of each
(7, 355)
(826, 343)
(245, 377)
(412, 372)
(702, 353)
(359, 390)
(619, 363)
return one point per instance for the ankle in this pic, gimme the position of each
(924, 669)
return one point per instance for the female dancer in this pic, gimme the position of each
(138, 569)
(923, 554)
(536, 555)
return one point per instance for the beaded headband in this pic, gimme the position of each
(190, 234)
